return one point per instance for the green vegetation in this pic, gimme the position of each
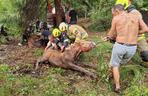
(38, 52)
(9, 12)
(99, 11)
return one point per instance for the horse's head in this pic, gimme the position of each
(77, 48)
(85, 46)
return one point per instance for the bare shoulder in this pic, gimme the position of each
(136, 13)
(116, 18)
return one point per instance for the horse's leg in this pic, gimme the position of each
(77, 55)
(80, 69)
(39, 61)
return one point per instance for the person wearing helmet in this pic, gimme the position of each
(129, 7)
(142, 43)
(125, 3)
(63, 27)
(64, 41)
(74, 32)
(58, 39)
(77, 33)
(56, 32)
(52, 39)
(125, 29)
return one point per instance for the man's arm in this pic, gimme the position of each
(143, 27)
(112, 32)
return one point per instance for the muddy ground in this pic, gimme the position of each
(12, 54)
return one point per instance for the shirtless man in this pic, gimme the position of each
(142, 43)
(125, 30)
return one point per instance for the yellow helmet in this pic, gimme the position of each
(125, 3)
(63, 26)
(56, 32)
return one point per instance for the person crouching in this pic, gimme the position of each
(58, 40)
(75, 32)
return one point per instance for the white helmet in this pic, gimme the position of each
(63, 26)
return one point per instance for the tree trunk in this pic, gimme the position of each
(29, 12)
(60, 15)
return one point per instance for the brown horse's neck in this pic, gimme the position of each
(74, 51)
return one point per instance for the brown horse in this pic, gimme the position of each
(68, 58)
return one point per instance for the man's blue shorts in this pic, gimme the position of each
(121, 54)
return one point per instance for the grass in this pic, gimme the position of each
(61, 82)
(38, 52)
(2, 40)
